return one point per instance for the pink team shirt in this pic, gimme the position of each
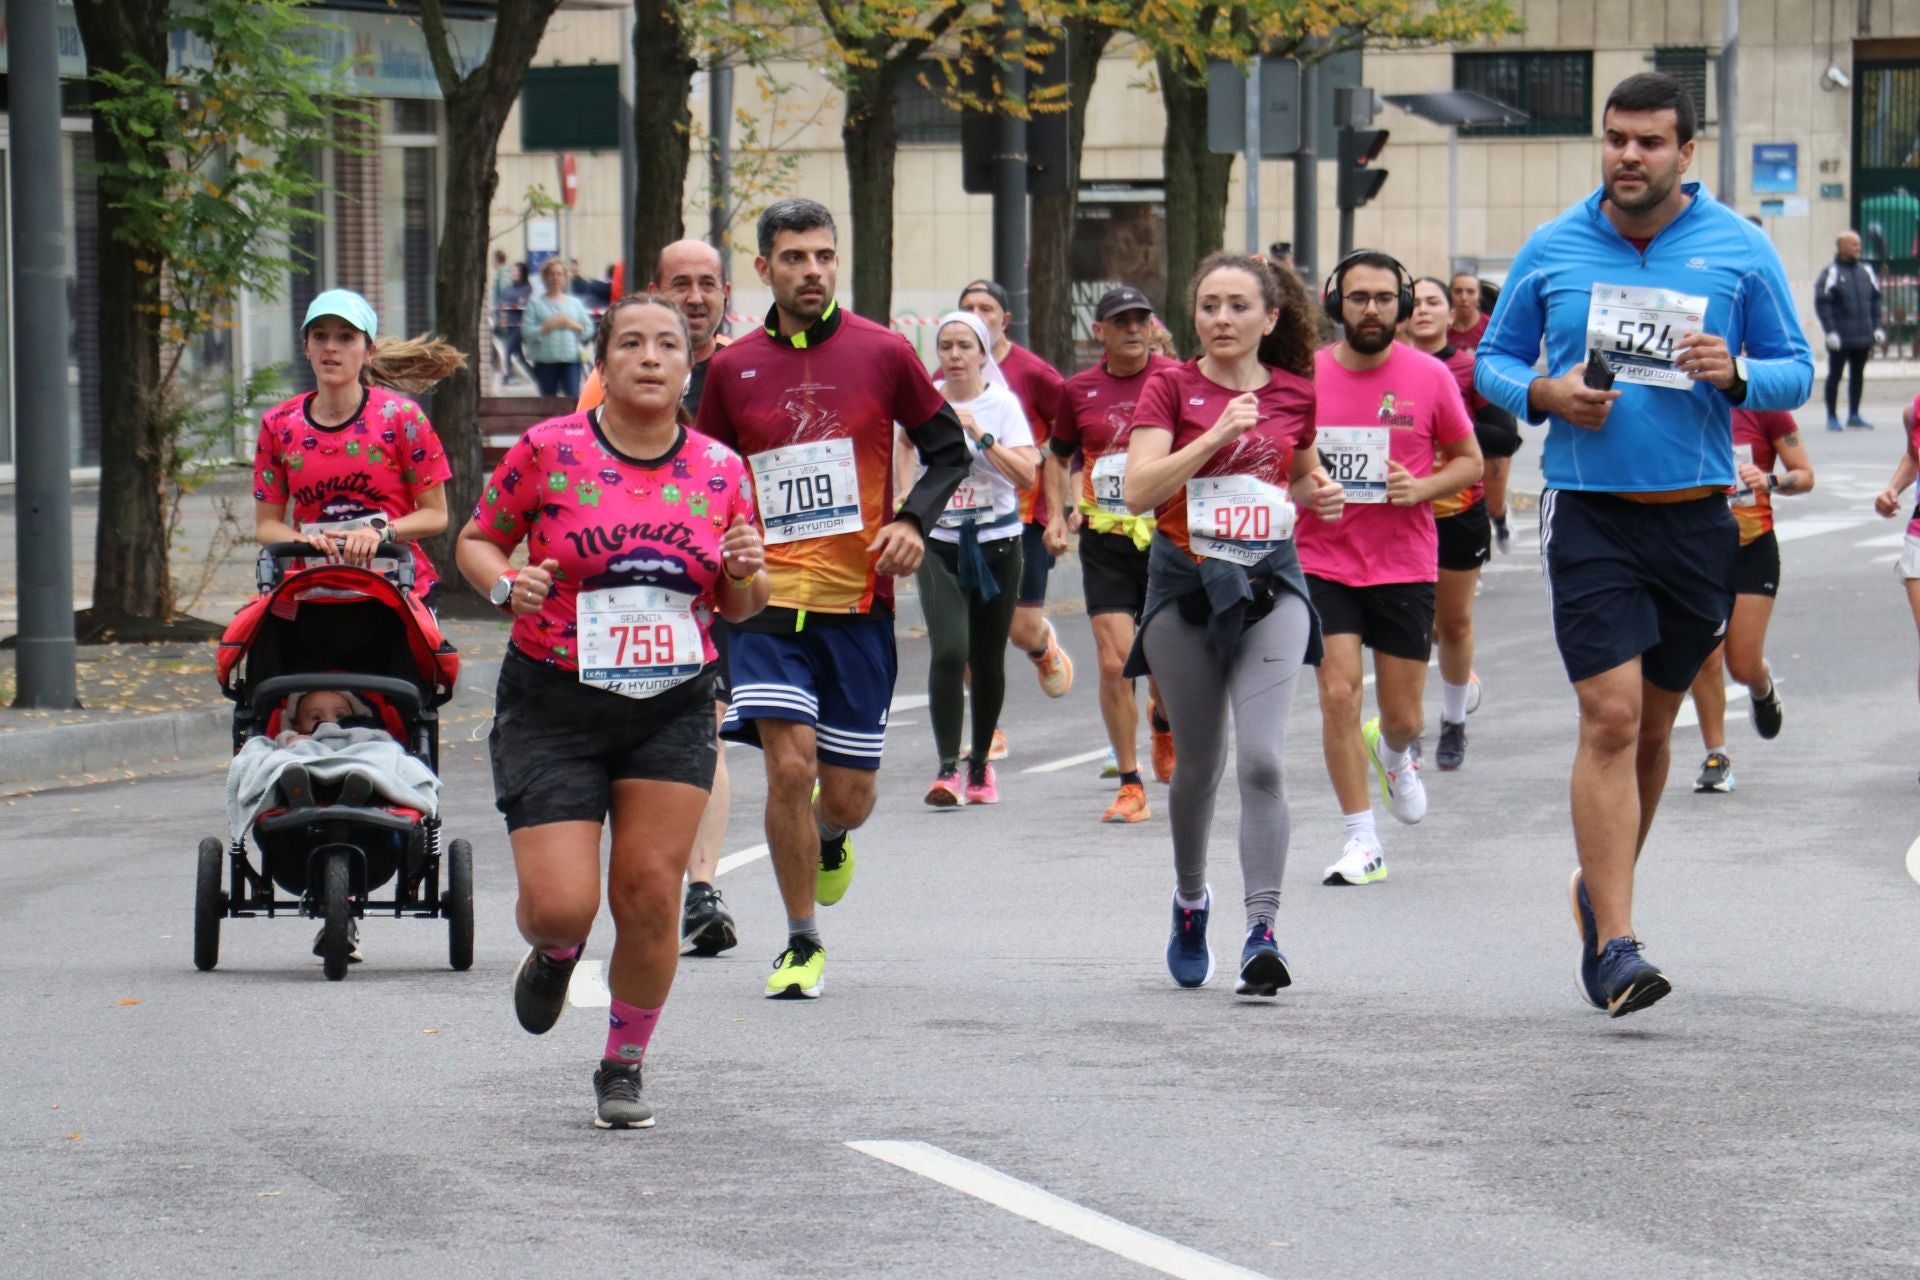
(378, 463)
(1377, 543)
(611, 521)
(1186, 402)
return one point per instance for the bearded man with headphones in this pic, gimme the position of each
(1393, 429)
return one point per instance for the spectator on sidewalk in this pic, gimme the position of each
(1846, 295)
(513, 306)
(552, 329)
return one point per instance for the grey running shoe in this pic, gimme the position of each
(1768, 715)
(1716, 774)
(616, 1091)
(1451, 752)
(540, 989)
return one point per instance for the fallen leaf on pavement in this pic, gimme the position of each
(265, 1194)
(129, 1000)
(73, 1137)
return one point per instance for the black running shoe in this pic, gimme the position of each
(1716, 773)
(706, 926)
(1768, 714)
(616, 1092)
(1451, 752)
(1263, 970)
(1502, 536)
(540, 989)
(1627, 981)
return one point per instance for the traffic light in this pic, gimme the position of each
(1360, 181)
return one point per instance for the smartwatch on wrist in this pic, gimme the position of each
(986, 442)
(1773, 483)
(501, 597)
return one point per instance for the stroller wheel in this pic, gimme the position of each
(336, 934)
(209, 904)
(457, 906)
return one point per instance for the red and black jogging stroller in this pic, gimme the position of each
(337, 627)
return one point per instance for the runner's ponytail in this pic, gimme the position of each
(411, 365)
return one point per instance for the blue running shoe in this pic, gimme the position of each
(1586, 974)
(1189, 959)
(1263, 970)
(1833, 424)
(1627, 982)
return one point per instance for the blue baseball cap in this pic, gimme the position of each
(346, 305)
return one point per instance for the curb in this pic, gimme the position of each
(73, 755)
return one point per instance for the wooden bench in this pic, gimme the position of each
(504, 418)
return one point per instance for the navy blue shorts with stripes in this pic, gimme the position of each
(837, 677)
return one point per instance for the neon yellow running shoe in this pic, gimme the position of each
(835, 874)
(799, 972)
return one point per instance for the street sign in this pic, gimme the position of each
(1279, 108)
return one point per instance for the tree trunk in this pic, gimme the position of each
(1050, 277)
(871, 141)
(477, 106)
(664, 66)
(1196, 192)
(132, 577)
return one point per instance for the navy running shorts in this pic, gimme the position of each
(558, 746)
(1627, 580)
(836, 676)
(1035, 566)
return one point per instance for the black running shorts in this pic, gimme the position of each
(1466, 538)
(1759, 567)
(1395, 618)
(1627, 580)
(1113, 572)
(558, 746)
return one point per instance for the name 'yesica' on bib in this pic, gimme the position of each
(808, 491)
(1637, 329)
(1356, 459)
(638, 641)
(1240, 519)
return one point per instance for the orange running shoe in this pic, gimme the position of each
(1162, 745)
(1129, 806)
(1054, 667)
(998, 751)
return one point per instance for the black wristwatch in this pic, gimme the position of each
(986, 442)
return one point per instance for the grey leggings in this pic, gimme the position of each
(1196, 694)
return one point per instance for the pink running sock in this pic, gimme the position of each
(628, 1030)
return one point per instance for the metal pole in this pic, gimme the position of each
(1306, 177)
(1453, 201)
(1729, 100)
(720, 156)
(43, 516)
(629, 155)
(1346, 231)
(1010, 176)
(1251, 160)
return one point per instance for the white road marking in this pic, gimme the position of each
(1053, 766)
(1030, 1202)
(1913, 860)
(734, 861)
(1688, 717)
(1892, 559)
(908, 702)
(1886, 540)
(588, 987)
(1813, 526)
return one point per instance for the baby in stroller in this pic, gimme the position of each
(305, 715)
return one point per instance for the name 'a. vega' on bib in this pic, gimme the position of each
(1110, 483)
(638, 641)
(808, 491)
(1240, 519)
(1356, 459)
(1637, 330)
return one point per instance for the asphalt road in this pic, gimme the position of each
(1428, 1099)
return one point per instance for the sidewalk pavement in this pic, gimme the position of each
(152, 709)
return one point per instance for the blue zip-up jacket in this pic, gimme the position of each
(1655, 438)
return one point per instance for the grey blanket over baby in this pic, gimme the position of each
(329, 756)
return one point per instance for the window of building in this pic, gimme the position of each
(408, 222)
(570, 109)
(1688, 65)
(919, 114)
(1554, 89)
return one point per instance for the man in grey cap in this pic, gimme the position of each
(1095, 418)
(1846, 296)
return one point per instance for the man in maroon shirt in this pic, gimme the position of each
(810, 401)
(1094, 421)
(1037, 386)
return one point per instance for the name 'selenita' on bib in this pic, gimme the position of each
(1356, 458)
(1637, 329)
(807, 491)
(1240, 519)
(638, 641)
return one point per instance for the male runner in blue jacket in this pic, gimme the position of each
(1643, 293)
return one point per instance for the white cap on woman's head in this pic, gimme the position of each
(990, 370)
(343, 304)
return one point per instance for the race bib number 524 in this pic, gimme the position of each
(1638, 329)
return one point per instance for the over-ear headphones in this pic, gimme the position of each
(1330, 291)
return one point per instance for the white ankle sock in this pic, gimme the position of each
(1453, 703)
(1361, 824)
(1390, 760)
